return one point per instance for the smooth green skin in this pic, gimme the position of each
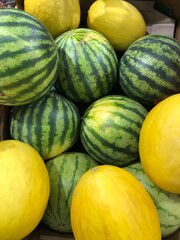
(167, 204)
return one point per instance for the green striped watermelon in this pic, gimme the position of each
(149, 70)
(50, 124)
(29, 58)
(88, 65)
(110, 129)
(64, 172)
(167, 204)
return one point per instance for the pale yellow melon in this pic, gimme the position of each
(159, 144)
(119, 21)
(24, 189)
(57, 15)
(109, 203)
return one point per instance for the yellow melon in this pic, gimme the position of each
(57, 15)
(159, 144)
(24, 189)
(119, 21)
(110, 203)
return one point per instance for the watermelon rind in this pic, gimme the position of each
(28, 57)
(110, 128)
(167, 204)
(149, 70)
(64, 172)
(88, 65)
(50, 124)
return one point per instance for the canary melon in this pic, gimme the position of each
(119, 21)
(57, 15)
(25, 189)
(110, 203)
(159, 144)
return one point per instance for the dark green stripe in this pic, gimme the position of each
(105, 62)
(125, 80)
(30, 90)
(167, 62)
(23, 24)
(93, 149)
(73, 177)
(66, 122)
(60, 186)
(40, 137)
(28, 63)
(90, 55)
(65, 70)
(52, 116)
(162, 42)
(83, 77)
(74, 117)
(123, 103)
(13, 17)
(51, 208)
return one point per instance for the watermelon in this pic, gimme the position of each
(88, 65)
(50, 124)
(110, 129)
(167, 204)
(28, 57)
(149, 70)
(64, 172)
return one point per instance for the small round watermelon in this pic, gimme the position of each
(29, 58)
(88, 65)
(64, 172)
(149, 70)
(50, 124)
(110, 129)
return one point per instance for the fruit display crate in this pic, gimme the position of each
(169, 7)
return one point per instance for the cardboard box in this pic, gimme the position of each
(161, 16)
(156, 22)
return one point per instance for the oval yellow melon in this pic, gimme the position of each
(159, 144)
(24, 189)
(57, 15)
(119, 21)
(110, 203)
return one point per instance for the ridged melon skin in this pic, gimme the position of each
(149, 70)
(28, 58)
(50, 124)
(88, 65)
(167, 204)
(64, 172)
(110, 129)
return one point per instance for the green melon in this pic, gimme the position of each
(149, 70)
(64, 172)
(88, 65)
(110, 129)
(29, 58)
(50, 124)
(167, 204)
